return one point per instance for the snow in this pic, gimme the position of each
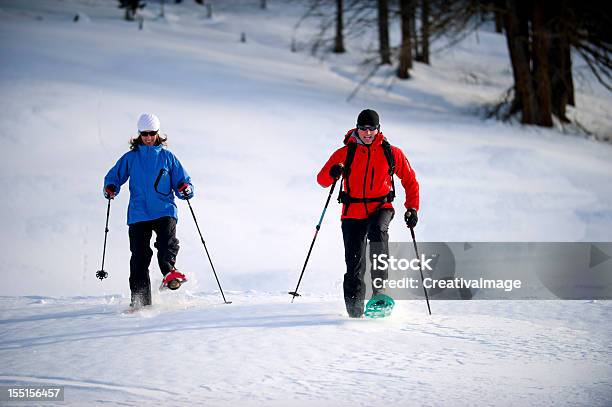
(253, 123)
(263, 351)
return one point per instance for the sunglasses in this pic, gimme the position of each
(148, 133)
(366, 128)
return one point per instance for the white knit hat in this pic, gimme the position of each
(148, 122)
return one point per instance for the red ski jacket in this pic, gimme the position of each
(369, 176)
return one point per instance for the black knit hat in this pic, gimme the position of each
(368, 117)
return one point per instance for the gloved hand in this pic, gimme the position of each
(336, 171)
(110, 191)
(411, 217)
(185, 190)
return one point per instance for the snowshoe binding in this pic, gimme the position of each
(173, 280)
(379, 306)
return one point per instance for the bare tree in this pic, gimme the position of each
(131, 6)
(356, 18)
(517, 36)
(383, 32)
(405, 53)
(423, 54)
(540, 37)
(498, 7)
(560, 67)
(413, 30)
(540, 23)
(547, 87)
(590, 36)
(339, 40)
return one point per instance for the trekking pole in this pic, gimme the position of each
(420, 268)
(101, 274)
(331, 191)
(208, 255)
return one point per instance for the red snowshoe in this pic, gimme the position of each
(173, 280)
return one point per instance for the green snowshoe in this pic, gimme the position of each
(379, 306)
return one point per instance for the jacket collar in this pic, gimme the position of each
(142, 147)
(352, 137)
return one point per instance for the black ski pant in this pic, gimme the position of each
(355, 232)
(140, 240)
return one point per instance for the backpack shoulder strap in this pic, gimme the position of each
(389, 155)
(343, 196)
(350, 156)
(391, 161)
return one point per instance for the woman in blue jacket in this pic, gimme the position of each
(156, 175)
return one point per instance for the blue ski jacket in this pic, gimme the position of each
(154, 173)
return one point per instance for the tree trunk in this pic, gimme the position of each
(559, 66)
(569, 81)
(557, 79)
(130, 13)
(498, 6)
(339, 41)
(405, 54)
(424, 54)
(499, 22)
(131, 7)
(413, 31)
(263, 4)
(517, 36)
(383, 32)
(541, 53)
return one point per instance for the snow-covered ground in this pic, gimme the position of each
(253, 123)
(263, 351)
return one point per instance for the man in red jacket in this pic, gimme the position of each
(367, 164)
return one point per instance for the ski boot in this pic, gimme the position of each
(139, 301)
(354, 307)
(173, 280)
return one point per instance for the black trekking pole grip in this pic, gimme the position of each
(420, 268)
(101, 274)
(207, 254)
(318, 227)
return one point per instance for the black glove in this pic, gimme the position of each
(411, 217)
(336, 171)
(110, 191)
(186, 190)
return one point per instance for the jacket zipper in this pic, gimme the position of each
(365, 181)
(372, 179)
(146, 189)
